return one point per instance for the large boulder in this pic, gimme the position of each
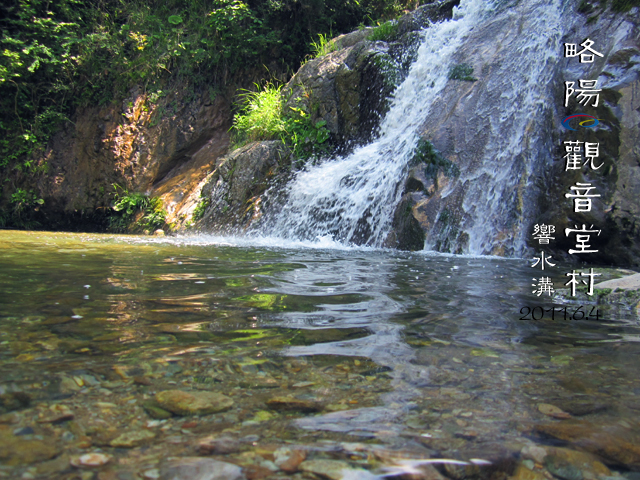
(230, 195)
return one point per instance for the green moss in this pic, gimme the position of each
(200, 209)
(623, 6)
(463, 71)
(389, 69)
(425, 153)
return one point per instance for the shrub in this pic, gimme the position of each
(385, 32)
(129, 206)
(261, 116)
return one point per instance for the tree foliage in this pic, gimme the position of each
(56, 56)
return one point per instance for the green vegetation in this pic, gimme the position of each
(135, 212)
(58, 56)
(596, 7)
(21, 213)
(264, 117)
(623, 6)
(261, 116)
(433, 160)
(464, 71)
(200, 209)
(322, 46)
(385, 32)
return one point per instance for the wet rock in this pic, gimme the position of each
(139, 380)
(233, 189)
(260, 382)
(524, 473)
(132, 439)
(193, 403)
(579, 408)
(17, 451)
(218, 445)
(552, 411)
(257, 472)
(360, 421)
(407, 231)
(56, 414)
(14, 401)
(331, 469)
(573, 465)
(293, 404)
(615, 445)
(154, 411)
(534, 452)
(195, 468)
(90, 460)
(289, 460)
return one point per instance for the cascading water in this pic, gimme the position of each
(352, 199)
(501, 131)
(497, 131)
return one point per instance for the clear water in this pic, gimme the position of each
(408, 352)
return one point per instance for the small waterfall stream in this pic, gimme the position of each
(352, 199)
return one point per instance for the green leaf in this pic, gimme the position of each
(175, 19)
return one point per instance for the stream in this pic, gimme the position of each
(354, 355)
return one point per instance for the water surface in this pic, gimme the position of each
(411, 352)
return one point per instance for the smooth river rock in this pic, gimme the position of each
(614, 444)
(196, 468)
(193, 403)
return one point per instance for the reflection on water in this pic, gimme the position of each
(412, 354)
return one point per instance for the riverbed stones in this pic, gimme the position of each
(93, 459)
(218, 445)
(290, 404)
(56, 414)
(132, 439)
(570, 464)
(552, 411)
(331, 469)
(186, 403)
(196, 468)
(18, 451)
(615, 445)
(153, 409)
(522, 472)
(289, 460)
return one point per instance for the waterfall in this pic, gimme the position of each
(498, 130)
(501, 131)
(351, 199)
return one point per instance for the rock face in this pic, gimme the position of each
(490, 206)
(231, 192)
(350, 87)
(138, 144)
